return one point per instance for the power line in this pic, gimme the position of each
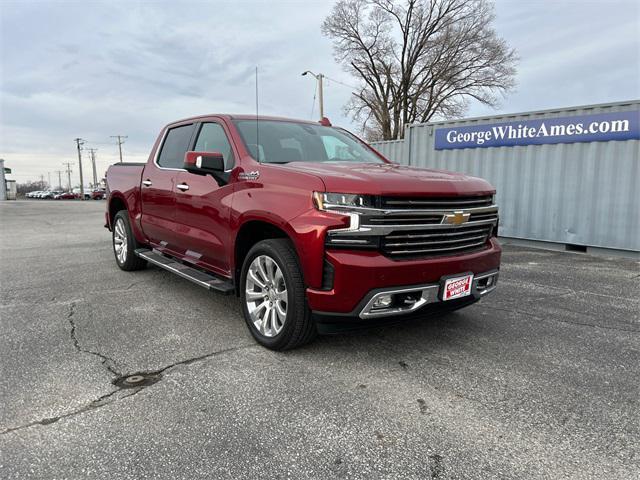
(342, 83)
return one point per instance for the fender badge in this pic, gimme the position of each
(249, 175)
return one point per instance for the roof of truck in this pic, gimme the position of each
(233, 116)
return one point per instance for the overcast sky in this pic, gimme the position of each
(93, 69)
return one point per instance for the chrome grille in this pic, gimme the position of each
(442, 241)
(405, 219)
(420, 227)
(449, 203)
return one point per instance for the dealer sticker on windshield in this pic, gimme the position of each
(457, 287)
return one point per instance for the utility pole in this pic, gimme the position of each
(49, 177)
(59, 172)
(319, 78)
(68, 164)
(79, 143)
(120, 142)
(92, 153)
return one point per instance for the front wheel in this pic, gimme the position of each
(124, 243)
(273, 296)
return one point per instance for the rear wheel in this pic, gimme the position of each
(273, 296)
(125, 244)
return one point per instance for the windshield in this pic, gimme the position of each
(284, 142)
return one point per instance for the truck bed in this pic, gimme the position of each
(124, 177)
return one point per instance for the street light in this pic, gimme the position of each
(319, 78)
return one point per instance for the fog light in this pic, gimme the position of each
(489, 281)
(383, 301)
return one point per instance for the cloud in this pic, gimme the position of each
(95, 69)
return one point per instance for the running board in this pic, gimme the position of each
(206, 280)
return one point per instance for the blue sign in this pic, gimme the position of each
(598, 127)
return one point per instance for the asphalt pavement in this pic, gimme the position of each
(540, 380)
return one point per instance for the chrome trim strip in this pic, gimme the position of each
(369, 211)
(435, 242)
(412, 251)
(383, 230)
(484, 291)
(174, 267)
(350, 240)
(160, 145)
(429, 294)
(435, 202)
(409, 236)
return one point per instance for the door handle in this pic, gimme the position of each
(182, 186)
(147, 183)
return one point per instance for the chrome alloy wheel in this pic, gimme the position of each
(266, 295)
(120, 240)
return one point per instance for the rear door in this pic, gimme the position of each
(158, 187)
(203, 204)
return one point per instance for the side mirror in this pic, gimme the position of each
(202, 163)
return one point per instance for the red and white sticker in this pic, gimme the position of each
(457, 287)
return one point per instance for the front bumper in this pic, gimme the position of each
(361, 275)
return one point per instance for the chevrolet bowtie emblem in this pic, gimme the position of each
(456, 218)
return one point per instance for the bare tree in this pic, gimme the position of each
(418, 60)
(31, 186)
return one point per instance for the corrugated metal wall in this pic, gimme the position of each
(392, 149)
(572, 193)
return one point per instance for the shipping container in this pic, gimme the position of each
(569, 176)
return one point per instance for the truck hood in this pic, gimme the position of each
(391, 179)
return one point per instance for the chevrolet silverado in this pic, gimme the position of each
(305, 222)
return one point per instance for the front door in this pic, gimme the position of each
(203, 205)
(158, 188)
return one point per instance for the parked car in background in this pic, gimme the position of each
(65, 196)
(33, 194)
(99, 194)
(78, 193)
(51, 194)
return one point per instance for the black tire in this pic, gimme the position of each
(299, 327)
(131, 261)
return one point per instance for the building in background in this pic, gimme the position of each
(3, 180)
(569, 176)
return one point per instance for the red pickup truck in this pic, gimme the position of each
(306, 223)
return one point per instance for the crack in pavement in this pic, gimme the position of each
(98, 402)
(111, 397)
(108, 363)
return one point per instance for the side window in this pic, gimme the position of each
(175, 146)
(213, 139)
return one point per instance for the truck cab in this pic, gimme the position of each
(305, 222)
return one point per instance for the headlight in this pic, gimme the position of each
(328, 201)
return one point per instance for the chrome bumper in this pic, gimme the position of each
(418, 296)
